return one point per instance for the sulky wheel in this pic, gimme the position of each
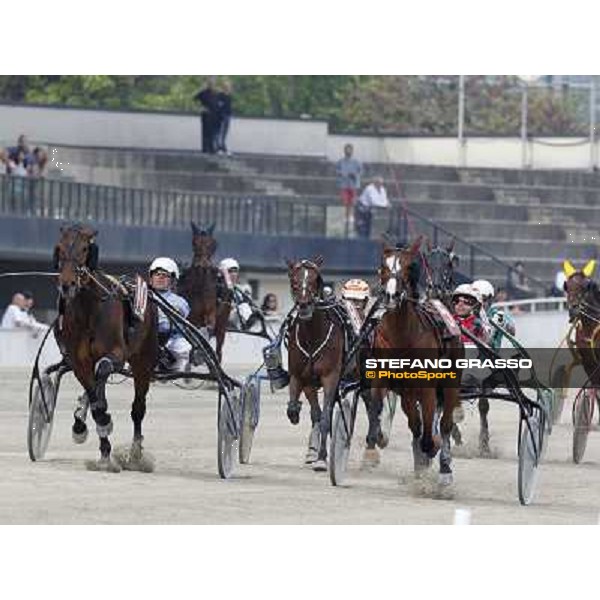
(227, 428)
(250, 411)
(341, 439)
(583, 410)
(529, 451)
(41, 416)
(559, 383)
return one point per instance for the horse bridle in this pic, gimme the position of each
(306, 265)
(446, 286)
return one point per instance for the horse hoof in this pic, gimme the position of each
(106, 465)
(383, 440)
(320, 465)
(293, 415)
(370, 458)
(79, 432)
(445, 479)
(311, 457)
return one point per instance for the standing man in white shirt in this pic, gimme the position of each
(373, 196)
(17, 316)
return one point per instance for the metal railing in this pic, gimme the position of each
(66, 200)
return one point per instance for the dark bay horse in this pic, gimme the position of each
(97, 335)
(583, 303)
(315, 355)
(202, 286)
(405, 326)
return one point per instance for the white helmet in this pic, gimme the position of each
(229, 263)
(485, 288)
(166, 264)
(355, 289)
(467, 289)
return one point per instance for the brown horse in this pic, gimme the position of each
(583, 302)
(98, 334)
(315, 355)
(405, 325)
(202, 286)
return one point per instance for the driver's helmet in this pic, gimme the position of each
(467, 289)
(485, 288)
(355, 289)
(166, 264)
(227, 264)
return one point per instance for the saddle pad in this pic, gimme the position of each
(140, 301)
(448, 319)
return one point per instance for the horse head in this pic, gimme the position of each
(579, 286)
(306, 284)
(75, 255)
(203, 243)
(440, 282)
(397, 274)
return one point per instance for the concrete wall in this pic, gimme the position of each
(79, 127)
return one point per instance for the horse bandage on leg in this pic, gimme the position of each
(104, 429)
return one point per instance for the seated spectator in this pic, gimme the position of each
(22, 146)
(373, 196)
(516, 285)
(458, 276)
(269, 306)
(37, 166)
(17, 315)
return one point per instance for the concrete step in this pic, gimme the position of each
(554, 177)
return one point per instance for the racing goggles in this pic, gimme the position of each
(465, 300)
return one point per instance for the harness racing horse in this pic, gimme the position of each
(315, 355)
(97, 334)
(583, 302)
(408, 326)
(203, 287)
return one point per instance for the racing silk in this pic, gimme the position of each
(473, 324)
(505, 320)
(355, 316)
(180, 305)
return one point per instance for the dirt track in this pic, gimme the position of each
(276, 488)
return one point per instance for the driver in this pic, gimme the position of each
(355, 296)
(467, 303)
(164, 274)
(494, 314)
(245, 313)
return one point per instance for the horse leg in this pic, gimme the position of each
(373, 399)
(314, 439)
(451, 400)
(99, 407)
(411, 410)
(294, 404)
(484, 432)
(85, 375)
(329, 382)
(430, 443)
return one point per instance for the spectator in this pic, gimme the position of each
(17, 315)
(208, 98)
(17, 164)
(13, 152)
(348, 171)
(38, 162)
(269, 307)
(517, 286)
(223, 118)
(373, 196)
(3, 162)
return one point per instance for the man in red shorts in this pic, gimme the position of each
(348, 171)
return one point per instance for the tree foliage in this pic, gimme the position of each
(361, 103)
